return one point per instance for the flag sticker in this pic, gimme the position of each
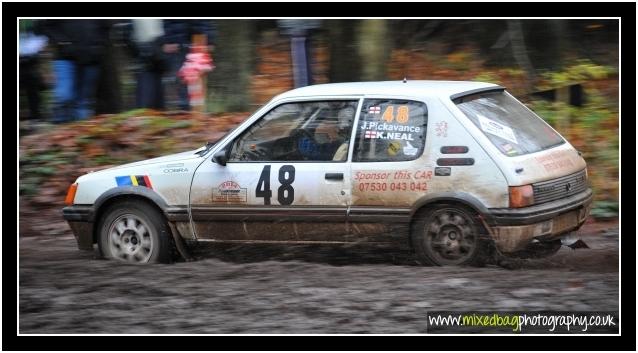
(147, 181)
(374, 110)
(369, 134)
(134, 180)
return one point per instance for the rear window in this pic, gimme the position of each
(512, 128)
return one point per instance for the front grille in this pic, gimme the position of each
(559, 188)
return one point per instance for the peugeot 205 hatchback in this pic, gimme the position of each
(450, 167)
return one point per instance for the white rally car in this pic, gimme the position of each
(452, 168)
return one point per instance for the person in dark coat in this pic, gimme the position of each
(178, 35)
(30, 45)
(78, 47)
(144, 39)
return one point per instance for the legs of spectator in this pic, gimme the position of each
(149, 92)
(86, 90)
(31, 81)
(179, 90)
(159, 91)
(184, 102)
(63, 92)
(142, 99)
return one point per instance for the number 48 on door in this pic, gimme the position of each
(285, 192)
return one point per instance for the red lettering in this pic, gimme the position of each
(423, 174)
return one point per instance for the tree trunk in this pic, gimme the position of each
(344, 57)
(374, 49)
(560, 38)
(229, 84)
(519, 51)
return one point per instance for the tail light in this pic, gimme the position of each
(70, 194)
(521, 196)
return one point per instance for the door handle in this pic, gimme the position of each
(334, 176)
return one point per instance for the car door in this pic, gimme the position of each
(286, 178)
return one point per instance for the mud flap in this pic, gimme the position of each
(573, 242)
(179, 244)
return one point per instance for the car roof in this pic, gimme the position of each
(417, 88)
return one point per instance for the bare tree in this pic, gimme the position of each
(345, 63)
(230, 81)
(519, 50)
(374, 49)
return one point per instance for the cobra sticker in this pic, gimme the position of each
(174, 168)
(229, 192)
(134, 180)
(497, 129)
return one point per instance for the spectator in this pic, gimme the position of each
(78, 48)
(144, 39)
(30, 45)
(178, 35)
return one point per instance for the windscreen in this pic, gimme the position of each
(512, 128)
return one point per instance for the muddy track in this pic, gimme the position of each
(293, 289)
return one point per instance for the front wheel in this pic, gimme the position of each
(449, 235)
(133, 231)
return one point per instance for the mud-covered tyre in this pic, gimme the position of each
(537, 250)
(134, 231)
(449, 235)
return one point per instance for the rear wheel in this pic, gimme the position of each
(134, 231)
(449, 235)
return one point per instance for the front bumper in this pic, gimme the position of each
(514, 228)
(80, 220)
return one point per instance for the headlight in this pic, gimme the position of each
(521, 196)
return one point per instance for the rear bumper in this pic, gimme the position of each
(514, 228)
(80, 219)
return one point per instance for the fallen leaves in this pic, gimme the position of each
(51, 160)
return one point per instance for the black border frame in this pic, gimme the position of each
(626, 11)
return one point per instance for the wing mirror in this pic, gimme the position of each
(221, 157)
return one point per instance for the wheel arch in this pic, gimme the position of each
(459, 198)
(121, 193)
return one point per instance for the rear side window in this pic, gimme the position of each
(390, 130)
(509, 125)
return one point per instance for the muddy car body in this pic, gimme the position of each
(452, 168)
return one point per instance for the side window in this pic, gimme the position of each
(303, 131)
(390, 130)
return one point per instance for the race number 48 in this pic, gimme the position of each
(285, 192)
(403, 114)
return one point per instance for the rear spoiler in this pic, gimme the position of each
(458, 97)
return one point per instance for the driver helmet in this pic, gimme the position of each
(345, 117)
